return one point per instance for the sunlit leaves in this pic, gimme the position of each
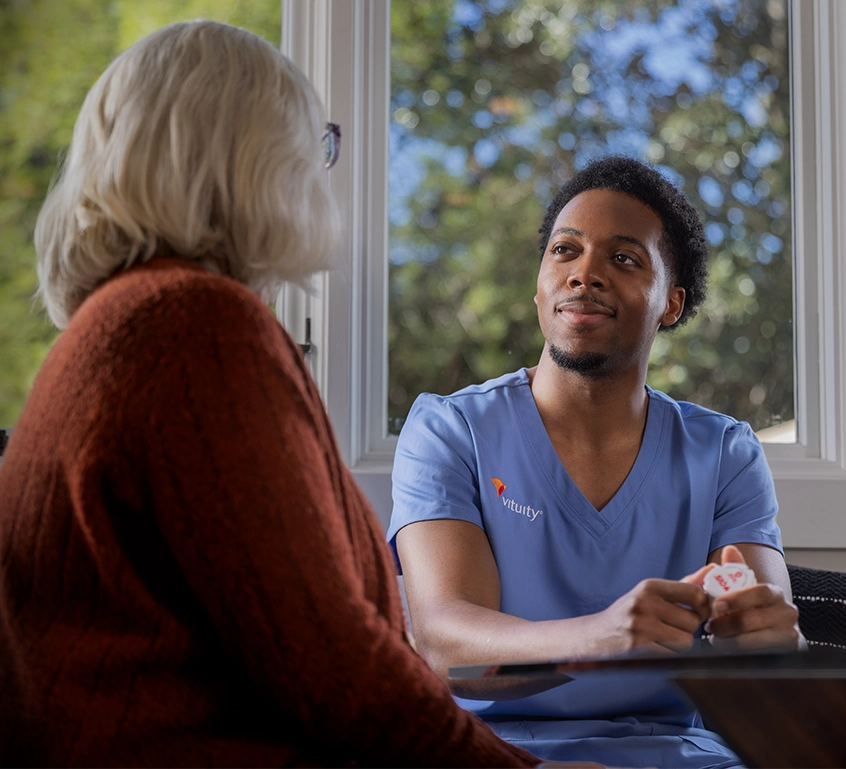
(527, 91)
(51, 52)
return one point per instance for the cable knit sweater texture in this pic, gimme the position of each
(189, 574)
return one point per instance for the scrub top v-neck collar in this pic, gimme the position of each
(572, 500)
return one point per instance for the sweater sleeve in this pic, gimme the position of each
(249, 494)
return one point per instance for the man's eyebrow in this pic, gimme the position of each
(625, 238)
(629, 239)
(566, 231)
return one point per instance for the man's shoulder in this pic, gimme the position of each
(697, 418)
(478, 395)
(491, 388)
(472, 405)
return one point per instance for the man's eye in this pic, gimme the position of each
(561, 248)
(624, 259)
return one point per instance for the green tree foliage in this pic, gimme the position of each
(495, 102)
(51, 52)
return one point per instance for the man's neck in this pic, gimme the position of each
(594, 410)
(595, 424)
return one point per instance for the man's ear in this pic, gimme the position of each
(675, 306)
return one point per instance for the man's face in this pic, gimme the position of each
(603, 287)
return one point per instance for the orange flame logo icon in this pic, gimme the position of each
(500, 486)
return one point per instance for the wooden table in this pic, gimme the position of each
(773, 710)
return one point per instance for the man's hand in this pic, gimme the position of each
(759, 617)
(658, 614)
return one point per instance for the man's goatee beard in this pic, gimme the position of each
(586, 363)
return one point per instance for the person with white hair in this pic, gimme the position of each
(188, 573)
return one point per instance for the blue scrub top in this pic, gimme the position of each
(700, 481)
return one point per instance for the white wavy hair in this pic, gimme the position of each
(201, 141)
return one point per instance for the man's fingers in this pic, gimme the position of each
(676, 642)
(771, 626)
(755, 596)
(675, 591)
(731, 554)
(661, 636)
(698, 577)
(658, 614)
(783, 618)
(675, 604)
(738, 623)
(681, 617)
(684, 593)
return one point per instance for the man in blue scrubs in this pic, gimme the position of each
(569, 510)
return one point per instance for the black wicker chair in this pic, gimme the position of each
(820, 596)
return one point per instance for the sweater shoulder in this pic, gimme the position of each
(166, 333)
(171, 292)
(167, 307)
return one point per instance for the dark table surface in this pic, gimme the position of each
(773, 710)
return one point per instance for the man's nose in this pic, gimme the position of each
(588, 270)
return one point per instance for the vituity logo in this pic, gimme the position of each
(526, 510)
(500, 486)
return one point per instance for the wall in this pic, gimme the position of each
(832, 560)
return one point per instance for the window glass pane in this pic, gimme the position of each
(51, 52)
(495, 102)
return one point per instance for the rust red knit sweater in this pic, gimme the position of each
(189, 574)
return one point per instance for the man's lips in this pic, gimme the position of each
(584, 312)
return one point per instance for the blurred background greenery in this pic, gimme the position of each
(51, 52)
(495, 102)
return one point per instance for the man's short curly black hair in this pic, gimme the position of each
(683, 246)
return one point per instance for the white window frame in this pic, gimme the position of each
(344, 48)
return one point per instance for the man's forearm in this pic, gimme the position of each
(464, 633)
(657, 615)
